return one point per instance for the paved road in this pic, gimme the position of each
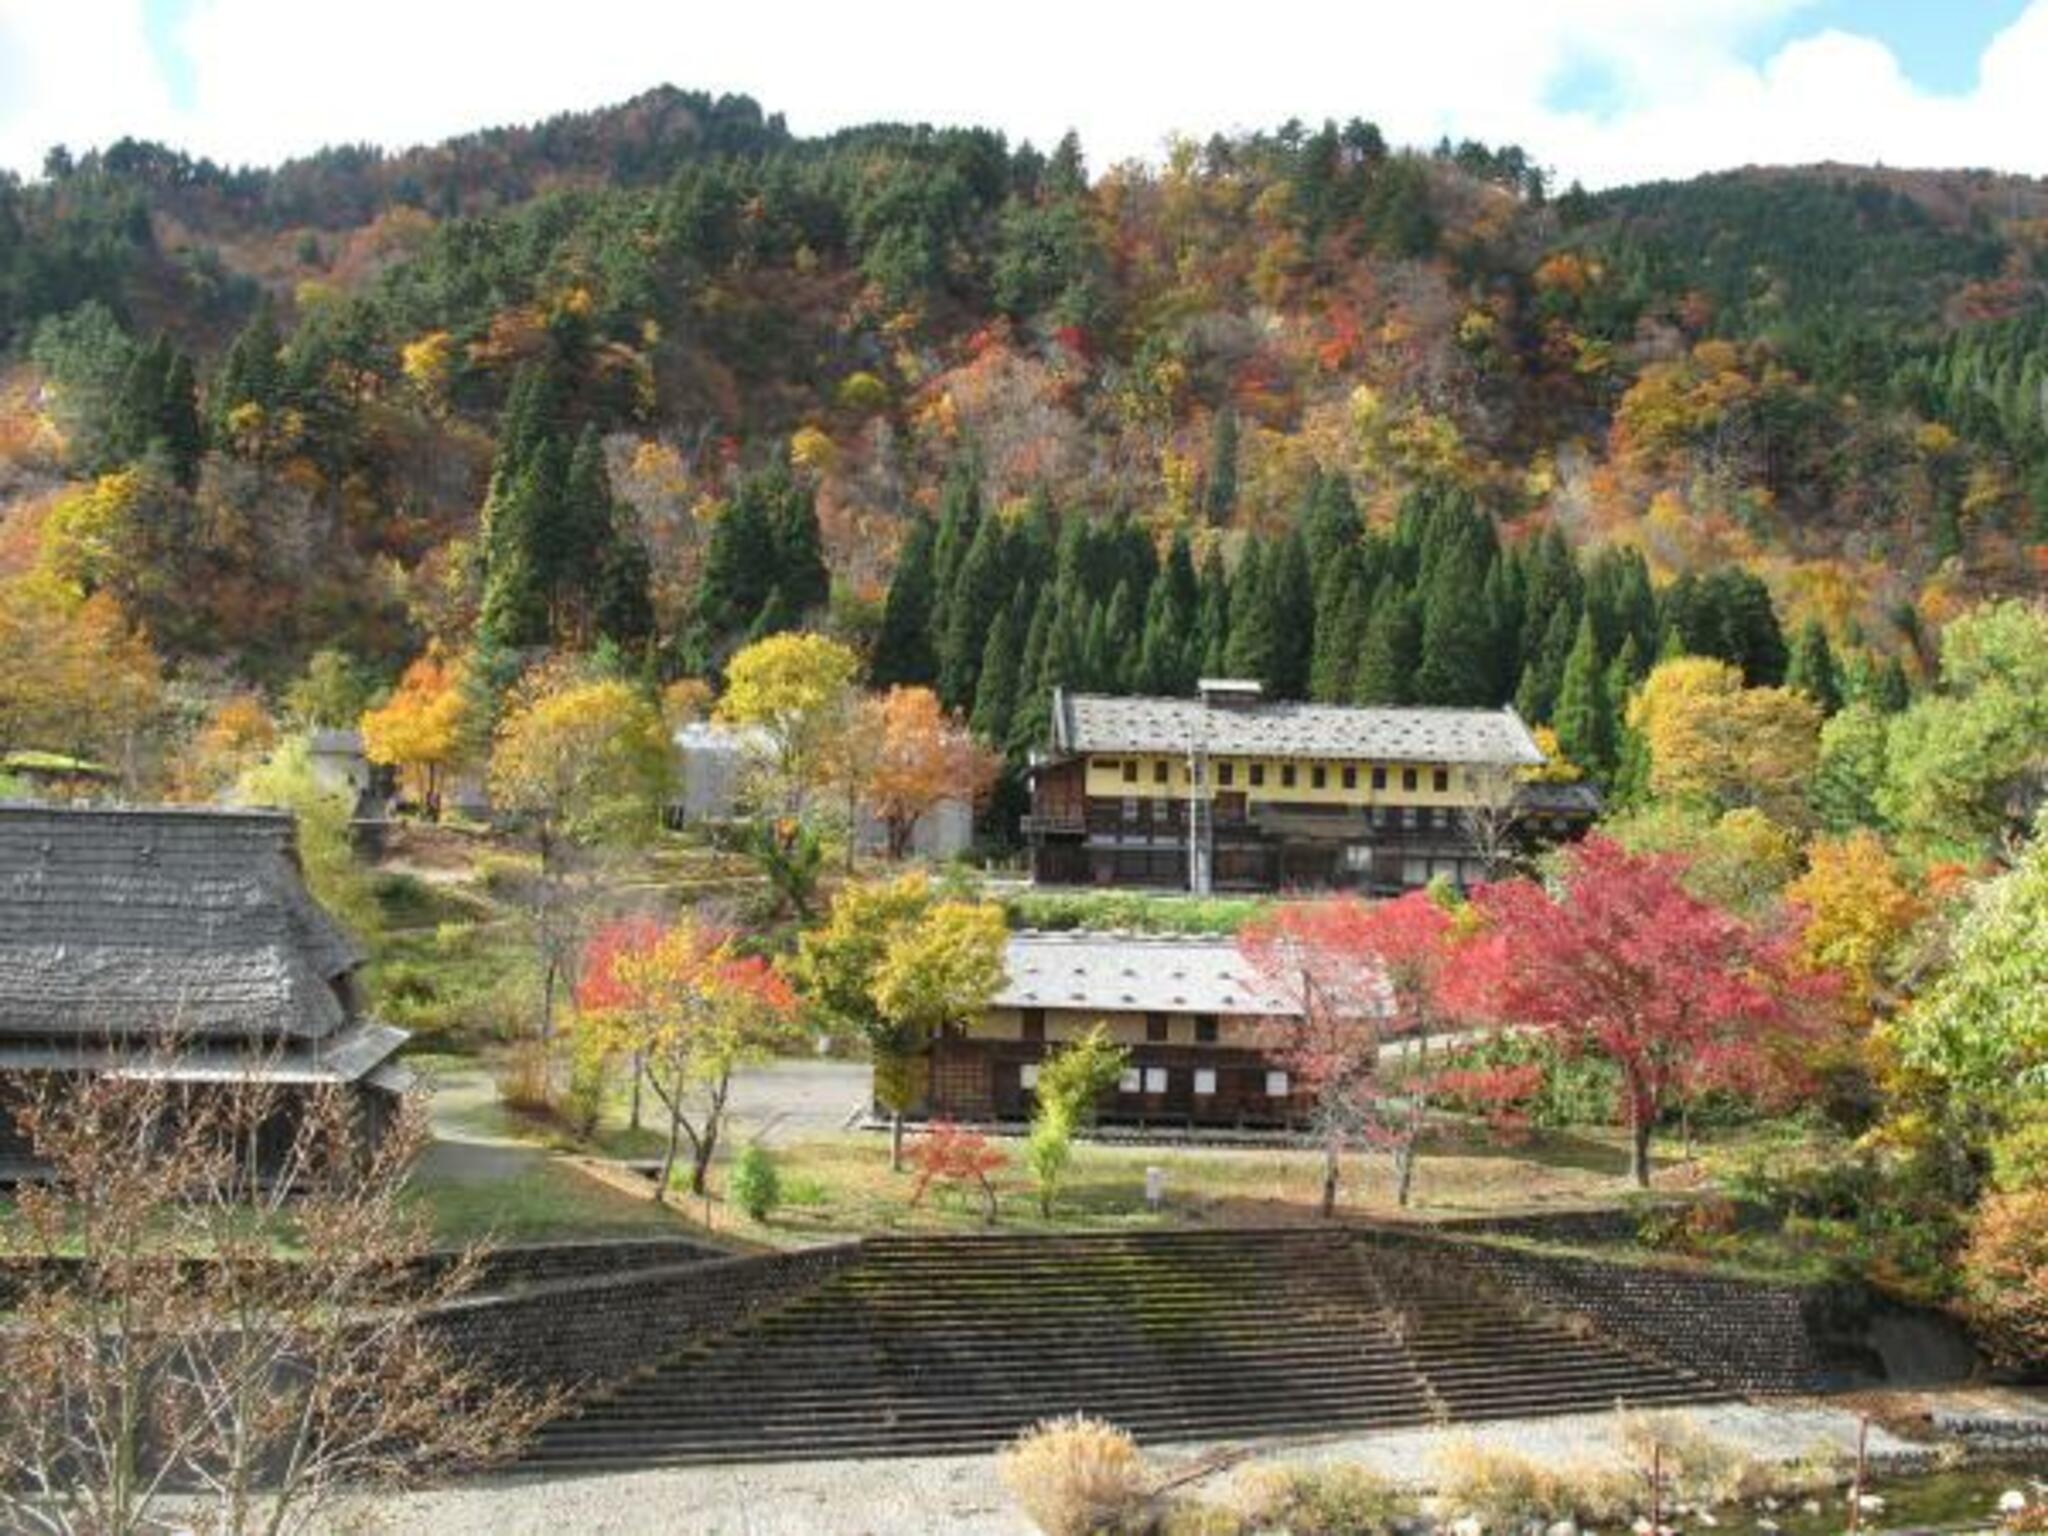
(787, 1101)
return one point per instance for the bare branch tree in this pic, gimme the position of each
(228, 1313)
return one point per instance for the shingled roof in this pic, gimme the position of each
(1094, 722)
(1135, 973)
(119, 923)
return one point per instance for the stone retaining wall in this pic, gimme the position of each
(580, 1333)
(510, 1268)
(1748, 1335)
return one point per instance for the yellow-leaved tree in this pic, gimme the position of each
(1858, 910)
(923, 758)
(580, 764)
(1717, 744)
(937, 974)
(797, 691)
(76, 678)
(419, 730)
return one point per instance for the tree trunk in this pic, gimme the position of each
(639, 1070)
(1640, 1123)
(1329, 1205)
(895, 1141)
(1404, 1173)
(668, 1157)
(544, 926)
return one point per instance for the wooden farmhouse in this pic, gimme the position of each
(1198, 1019)
(174, 942)
(1231, 792)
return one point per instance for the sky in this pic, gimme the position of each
(1604, 91)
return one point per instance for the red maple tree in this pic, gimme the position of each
(949, 1154)
(1372, 988)
(1619, 960)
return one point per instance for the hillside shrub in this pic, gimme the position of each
(1078, 1477)
(1129, 911)
(1506, 1489)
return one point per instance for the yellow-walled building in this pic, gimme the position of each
(1230, 791)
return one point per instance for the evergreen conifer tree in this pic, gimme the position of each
(995, 693)
(1457, 663)
(178, 424)
(1249, 652)
(1212, 640)
(1584, 716)
(1219, 487)
(1117, 667)
(1291, 608)
(1393, 643)
(981, 588)
(903, 650)
(1031, 710)
(1812, 670)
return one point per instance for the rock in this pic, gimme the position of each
(2012, 1502)
(1705, 1518)
(1643, 1527)
(1767, 1525)
(1870, 1504)
(1467, 1525)
(1811, 1507)
(1562, 1528)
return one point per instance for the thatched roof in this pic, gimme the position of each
(117, 923)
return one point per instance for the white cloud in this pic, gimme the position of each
(279, 77)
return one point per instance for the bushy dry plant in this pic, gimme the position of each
(1335, 1500)
(239, 1341)
(1504, 1488)
(1078, 1477)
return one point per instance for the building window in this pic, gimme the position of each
(1156, 1032)
(1276, 1085)
(1205, 1082)
(1205, 1029)
(1410, 817)
(1131, 771)
(1318, 777)
(1350, 777)
(1159, 771)
(1155, 1079)
(1226, 774)
(1258, 775)
(1027, 1076)
(1033, 1027)
(1287, 775)
(1407, 778)
(1130, 1082)
(1130, 810)
(1441, 780)
(1414, 872)
(1379, 778)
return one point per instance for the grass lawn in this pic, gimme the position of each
(842, 1186)
(546, 1201)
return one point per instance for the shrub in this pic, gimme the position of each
(755, 1186)
(1047, 1153)
(525, 1078)
(1337, 1500)
(1077, 1476)
(2005, 1274)
(1503, 1489)
(1698, 1466)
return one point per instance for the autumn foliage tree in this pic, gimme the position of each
(924, 758)
(419, 729)
(947, 1154)
(1622, 962)
(580, 763)
(1856, 910)
(689, 1008)
(1372, 985)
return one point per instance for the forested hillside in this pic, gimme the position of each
(1369, 423)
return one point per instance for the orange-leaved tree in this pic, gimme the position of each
(689, 1008)
(924, 758)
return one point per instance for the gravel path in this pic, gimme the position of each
(959, 1496)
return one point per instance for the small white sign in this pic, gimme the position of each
(1205, 1081)
(1276, 1085)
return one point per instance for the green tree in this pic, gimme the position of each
(1967, 764)
(1812, 669)
(1393, 642)
(936, 974)
(903, 652)
(1071, 1084)
(1219, 485)
(1585, 718)
(1252, 649)
(1849, 769)
(995, 693)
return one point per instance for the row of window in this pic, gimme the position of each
(1158, 1027)
(1156, 1080)
(1318, 776)
(1132, 810)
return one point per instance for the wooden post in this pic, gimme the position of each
(1856, 1488)
(1656, 1487)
